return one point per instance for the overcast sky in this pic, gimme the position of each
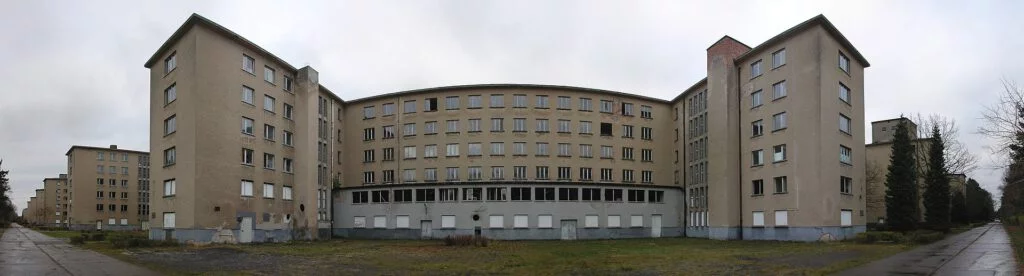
(73, 71)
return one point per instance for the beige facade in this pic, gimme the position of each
(107, 188)
(273, 179)
(56, 200)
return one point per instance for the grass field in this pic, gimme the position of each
(1016, 232)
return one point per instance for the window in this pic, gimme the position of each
(430, 174)
(542, 125)
(627, 131)
(475, 173)
(497, 221)
(268, 190)
(497, 148)
(389, 132)
(368, 134)
(520, 194)
(403, 195)
(409, 107)
(755, 99)
(288, 164)
(380, 196)
(430, 151)
(645, 112)
(636, 221)
(268, 161)
(586, 174)
(606, 152)
(452, 174)
(451, 102)
(518, 148)
(409, 152)
(757, 187)
(286, 193)
(586, 151)
(168, 220)
(359, 222)
(521, 221)
(497, 124)
(845, 217)
(409, 129)
(519, 125)
(519, 101)
(170, 94)
(425, 195)
(779, 121)
(472, 194)
(542, 172)
(287, 83)
(268, 74)
(430, 128)
(627, 109)
(452, 150)
(606, 129)
(287, 138)
(779, 58)
(585, 128)
(780, 153)
(844, 93)
(268, 132)
(586, 104)
(542, 149)
(613, 195)
(246, 188)
(542, 101)
(497, 173)
(389, 154)
(635, 195)
(248, 64)
(475, 101)
(844, 124)
(627, 153)
(288, 111)
(544, 193)
(247, 155)
(845, 155)
(368, 156)
(606, 174)
(757, 158)
(170, 125)
(409, 175)
(474, 125)
(564, 102)
(170, 188)
(845, 185)
(369, 112)
(781, 185)
(368, 177)
(544, 221)
(430, 104)
(568, 194)
(563, 126)
(646, 133)
(606, 106)
(758, 219)
(169, 157)
(646, 177)
(124, 171)
(755, 69)
(757, 128)
(247, 126)
(778, 90)
(170, 62)
(844, 63)
(519, 172)
(496, 194)
(248, 95)
(497, 100)
(613, 221)
(268, 103)
(452, 126)
(563, 150)
(591, 194)
(387, 109)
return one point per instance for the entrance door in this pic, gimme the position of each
(245, 230)
(569, 229)
(99, 225)
(426, 230)
(655, 226)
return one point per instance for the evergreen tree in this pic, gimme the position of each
(980, 207)
(7, 212)
(901, 197)
(958, 210)
(936, 194)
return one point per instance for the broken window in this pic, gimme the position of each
(606, 129)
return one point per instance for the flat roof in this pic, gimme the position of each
(73, 147)
(818, 20)
(506, 85)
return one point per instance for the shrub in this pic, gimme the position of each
(924, 236)
(878, 236)
(98, 236)
(465, 240)
(78, 240)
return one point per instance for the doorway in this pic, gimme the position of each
(426, 230)
(245, 230)
(569, 229)
(655, 226)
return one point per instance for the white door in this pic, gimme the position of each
(568, 229)
(655, 226)
(99, 225)
(245, 230)
(426, 231)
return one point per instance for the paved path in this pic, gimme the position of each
(27, 252)
(984, 250)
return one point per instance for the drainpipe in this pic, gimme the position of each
(739, 145)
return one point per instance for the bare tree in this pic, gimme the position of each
(958, 158)
(1002, 120)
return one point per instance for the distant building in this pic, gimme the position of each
(55, 201)
(108, 188)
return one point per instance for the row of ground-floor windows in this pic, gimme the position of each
(782, 218)
(501, 194)
(499, 222)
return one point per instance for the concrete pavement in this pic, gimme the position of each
(984, 250)
(27, 252)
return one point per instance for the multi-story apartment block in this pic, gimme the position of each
(768, 146)
(105, 185)
(56, 200)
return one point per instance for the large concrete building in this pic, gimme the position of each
(108, 188)
(770, 145)
(55, 200)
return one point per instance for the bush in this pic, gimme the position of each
(466, 240)
(879, 236)
(78, 240)
(97, 236)
(924, 236)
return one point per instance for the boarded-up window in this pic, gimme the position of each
(591, 221)
(359, 222)
(614, 222)
(521, 221)
(758, 218)
(544, 221)
(168, 220)
(402, 222)
(497, 221)
(447, 221)
(846, 217)
(380, 222)
(781, 218)
(636, 221)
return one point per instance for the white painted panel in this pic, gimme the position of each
(124, 221)
(781, 218)
(380, 222)
(497, 221)
(636, 221)
(613, 221)
(846, 217)
(168, 220)
(758, 218)
(359, 222)
(544, 221)
(447, 221)
(112, 221)
(521, 221)
(591, 221)
(402, 222)
(655, 226)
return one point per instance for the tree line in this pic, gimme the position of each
(7, 208)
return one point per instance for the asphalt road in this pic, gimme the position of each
(27, 252)
(984, 250)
